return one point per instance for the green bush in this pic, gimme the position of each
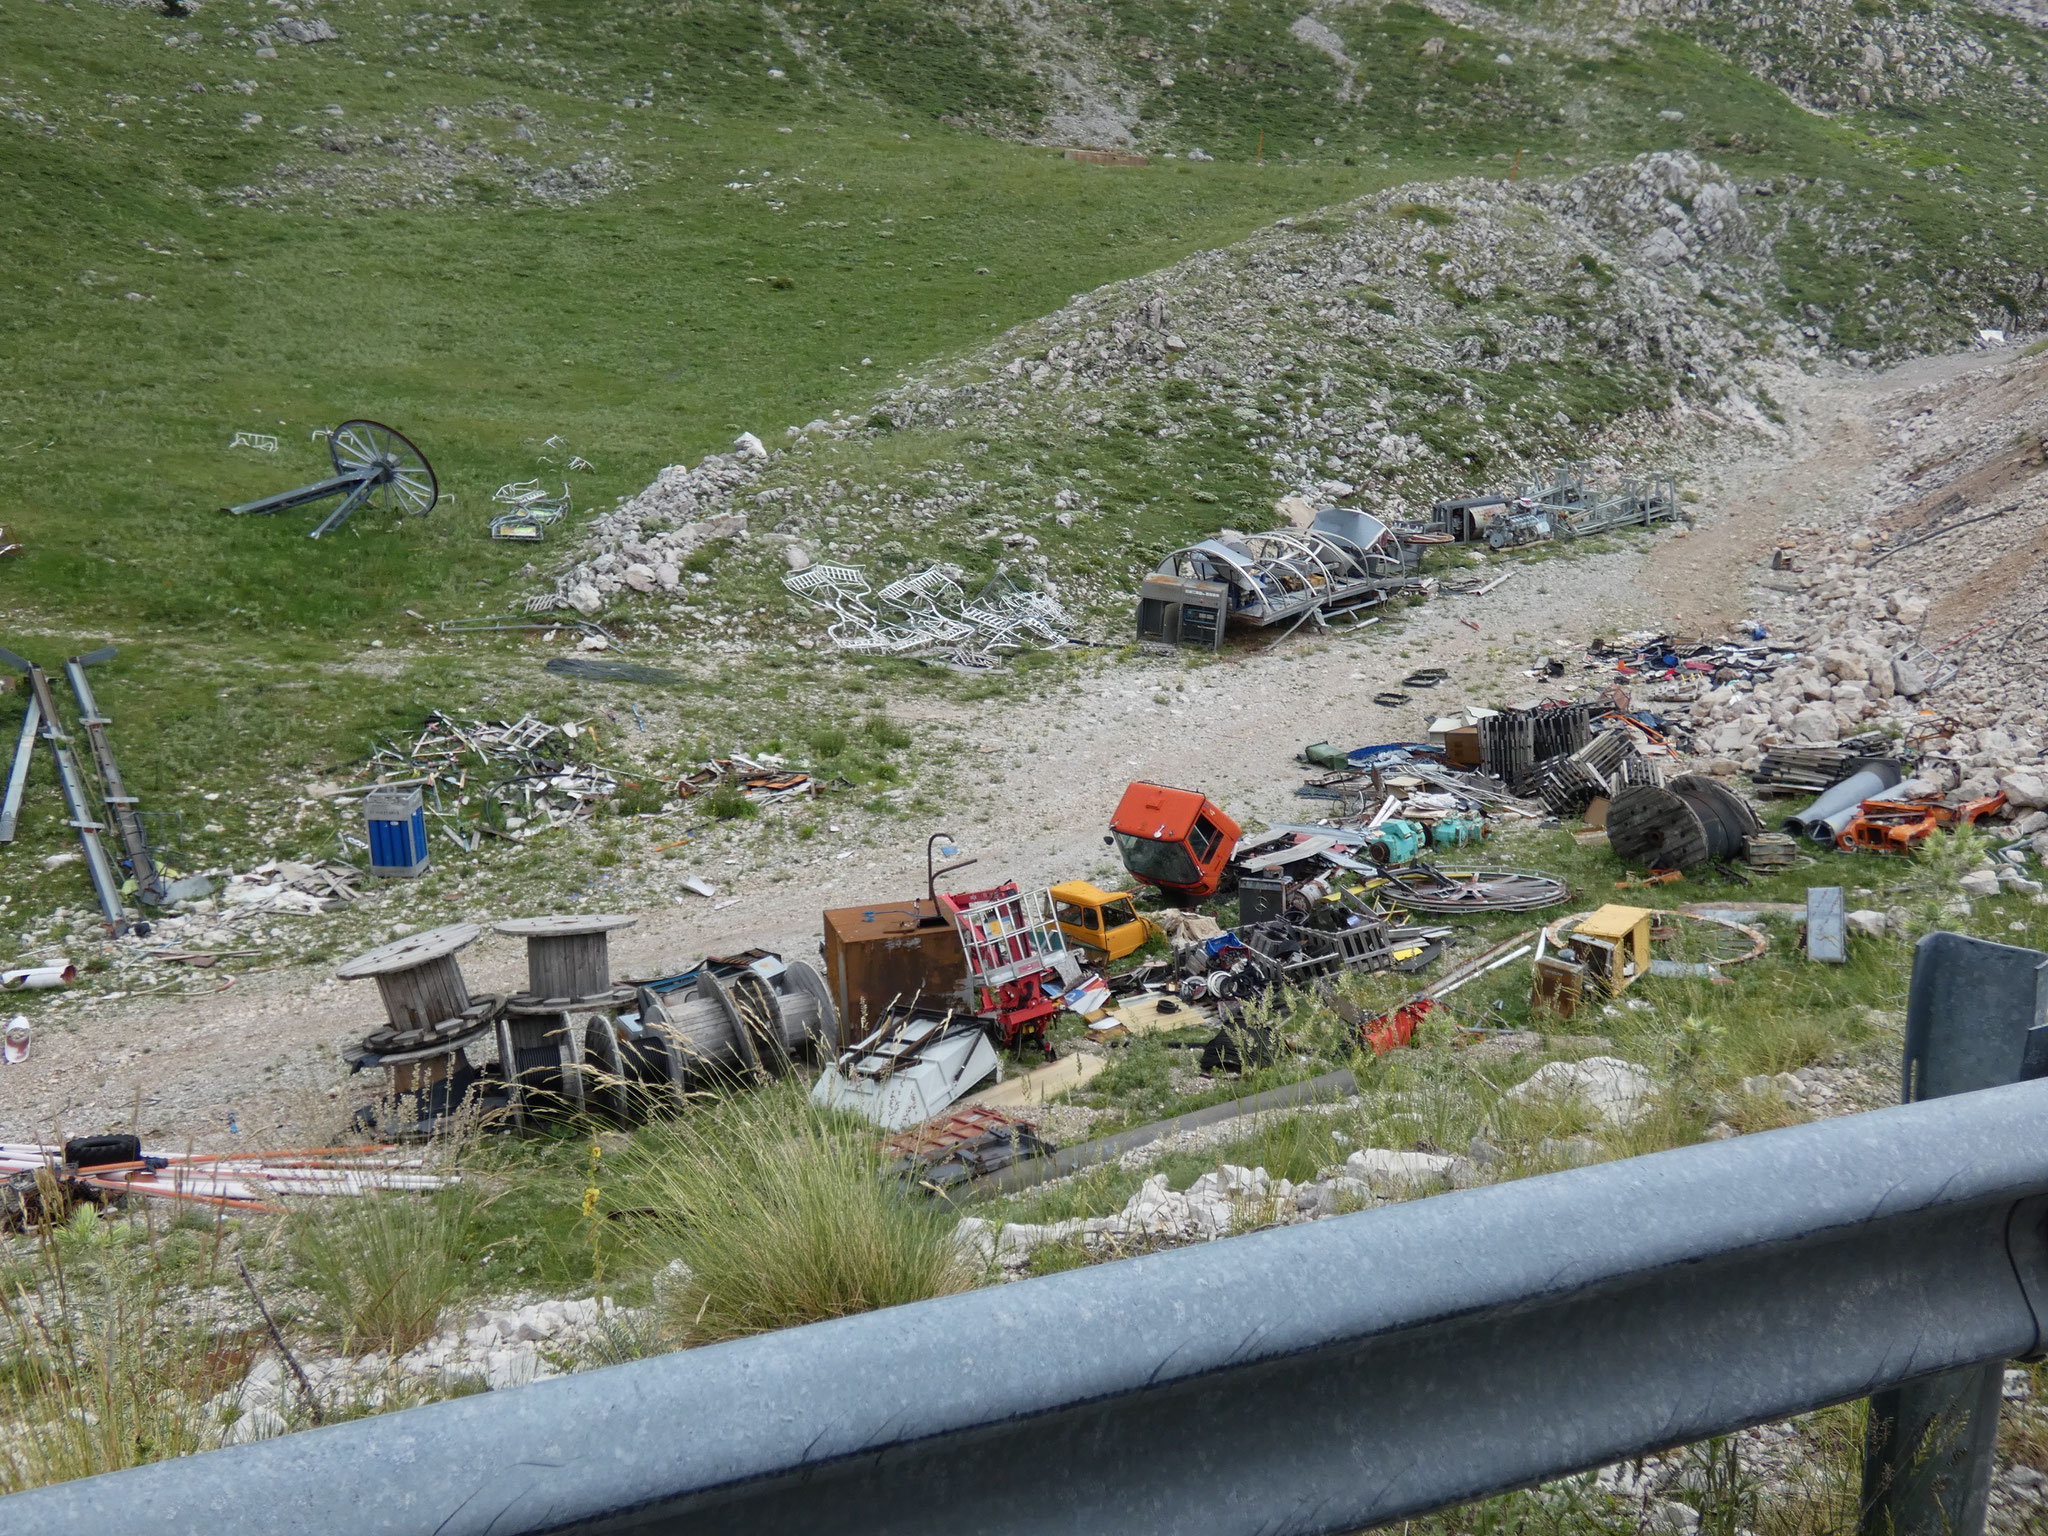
(727, 804)
(781, 1217)
(384, 1267)
(884, 732)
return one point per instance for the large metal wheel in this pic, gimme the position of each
(405, 480)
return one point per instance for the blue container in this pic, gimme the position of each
(397, 823)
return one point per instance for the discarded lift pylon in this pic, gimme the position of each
(371, 463)
(39, 718)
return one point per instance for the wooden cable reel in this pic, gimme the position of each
(1691, 821)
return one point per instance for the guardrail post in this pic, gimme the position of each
(1977, 1017)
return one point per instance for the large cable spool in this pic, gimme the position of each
(722, 1031)
(1691, 821)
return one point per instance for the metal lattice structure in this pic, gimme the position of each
(1563, 502)
(934, 618)
(530, 510)
(1341, 564)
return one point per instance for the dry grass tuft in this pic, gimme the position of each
(782, 1217)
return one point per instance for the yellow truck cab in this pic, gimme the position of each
(1106, 921)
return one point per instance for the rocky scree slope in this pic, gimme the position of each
(1961, 498)
(1394, 350)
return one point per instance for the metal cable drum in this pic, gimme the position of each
(1691, 821)
(714, 1034)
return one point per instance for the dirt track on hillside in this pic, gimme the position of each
(266, 1053)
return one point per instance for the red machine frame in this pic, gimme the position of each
(1008, 936)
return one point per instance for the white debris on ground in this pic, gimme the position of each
(1227, 1199)
(496, 1349)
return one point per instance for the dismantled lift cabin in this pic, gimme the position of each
(1341, 564)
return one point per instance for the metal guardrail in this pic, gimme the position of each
(1318, 1378)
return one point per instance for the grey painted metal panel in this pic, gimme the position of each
(1827, 924)
(1310, 1379)
(1975, 1018)
(1361, 528)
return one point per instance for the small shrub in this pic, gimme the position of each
(705, 559)
(884, 733)
(384, 1267)
(1423, 213)
(726, 803)
(782, 1218)
(828, 742)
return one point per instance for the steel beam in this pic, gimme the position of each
(285, 500)
(17, 770)
(120, 804)
(1318, 1378)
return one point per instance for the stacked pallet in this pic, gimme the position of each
(1602, 768)
(1514, 742)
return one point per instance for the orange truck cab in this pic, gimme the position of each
(1176, 839)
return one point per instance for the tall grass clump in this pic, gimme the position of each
(782, 1217)
(384, 1267)
(97, 1370)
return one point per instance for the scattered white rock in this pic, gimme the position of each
(1979, 882)
(1617, 1091)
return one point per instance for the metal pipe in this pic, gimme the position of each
(37, 978)
(1877, 775)
(1328, 1088)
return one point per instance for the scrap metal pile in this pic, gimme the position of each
(1681, 671)
(531, 509)
(1565, 503)
(1809, 770)
(932, 617)
(767, 781)
(573, 1041)
(510, 778)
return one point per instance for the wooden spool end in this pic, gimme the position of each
(417, 977)
(568, 957)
